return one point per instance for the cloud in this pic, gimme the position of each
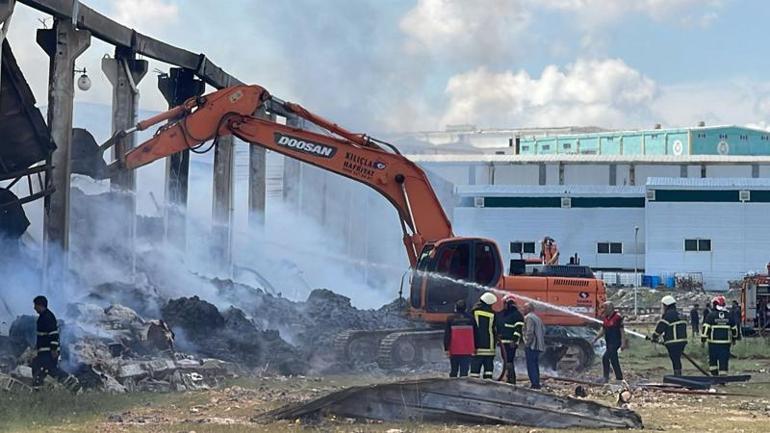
(152, 16)
(605, 11)
(462, 30)
(596, 92)
(727, 102)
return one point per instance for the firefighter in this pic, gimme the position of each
(720, 331)
(485, 336)
(674, 332)
(458, 340)
(510, 323)
(46, 362)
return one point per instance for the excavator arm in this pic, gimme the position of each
(232, 111)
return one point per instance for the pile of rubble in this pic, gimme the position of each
(112, 349)
(191, 343)
(648, 300)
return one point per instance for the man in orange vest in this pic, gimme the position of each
(549, 252)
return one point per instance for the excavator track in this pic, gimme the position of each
(568, 354)
(409, 348)
(360, 346)
(398, 348)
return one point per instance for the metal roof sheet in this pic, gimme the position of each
(708, 183)
(548, 190)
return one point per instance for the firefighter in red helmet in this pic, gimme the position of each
(720, 332)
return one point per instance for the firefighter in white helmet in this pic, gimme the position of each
(485, 336)
(673, 329)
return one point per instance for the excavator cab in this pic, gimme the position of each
(450, 270)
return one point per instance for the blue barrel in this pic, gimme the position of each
(647, 280)
(670, 282)
(654, 281)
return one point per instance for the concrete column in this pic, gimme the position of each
(63, 44)
(292, 175)
(222, 203)
(632, 175)
(124, 72)
(542, 174)
(257, 188)
(561, 173)
(755, 170)
(613, 174)
(177, 87)
(682, 171)
(703, 171)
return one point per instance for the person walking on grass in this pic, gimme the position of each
(614, 338)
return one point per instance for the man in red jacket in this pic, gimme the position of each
(458, 340)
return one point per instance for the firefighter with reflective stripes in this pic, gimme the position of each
(510, 325)
(674, 332)
(720, 331)
(485, 336)
(47, 359)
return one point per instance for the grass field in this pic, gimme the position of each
(234, 407)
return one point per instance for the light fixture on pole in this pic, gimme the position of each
(84, 83)
(636, 269)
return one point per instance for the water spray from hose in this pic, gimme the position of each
(547, 305)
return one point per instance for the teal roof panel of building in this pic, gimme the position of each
(706, 140)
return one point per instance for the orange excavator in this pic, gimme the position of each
(445, 268)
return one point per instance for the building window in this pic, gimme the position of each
(723, 136)
(697, 244)
(520, 247)
(546, 147)
(744, 137)
(701, 135)
(525, 148)
(567, 146)
(609, 248)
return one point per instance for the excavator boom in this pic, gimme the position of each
(232, 111)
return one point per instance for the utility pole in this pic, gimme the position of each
(636, 269)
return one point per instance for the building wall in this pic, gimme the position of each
(585, 175)
(575, 231)
(516, 174)
(738, 234)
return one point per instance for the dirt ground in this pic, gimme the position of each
(236, 407)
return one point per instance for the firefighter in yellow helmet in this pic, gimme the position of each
(720, 331)
(674, 332)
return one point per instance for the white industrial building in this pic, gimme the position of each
(711, 230)
(697, 195)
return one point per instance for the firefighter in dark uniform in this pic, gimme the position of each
(485, 336)
(674, 332)
(510, 325)
(720, 331)
(458, 340)
(46, 362)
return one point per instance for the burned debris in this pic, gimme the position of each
(469, 401)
